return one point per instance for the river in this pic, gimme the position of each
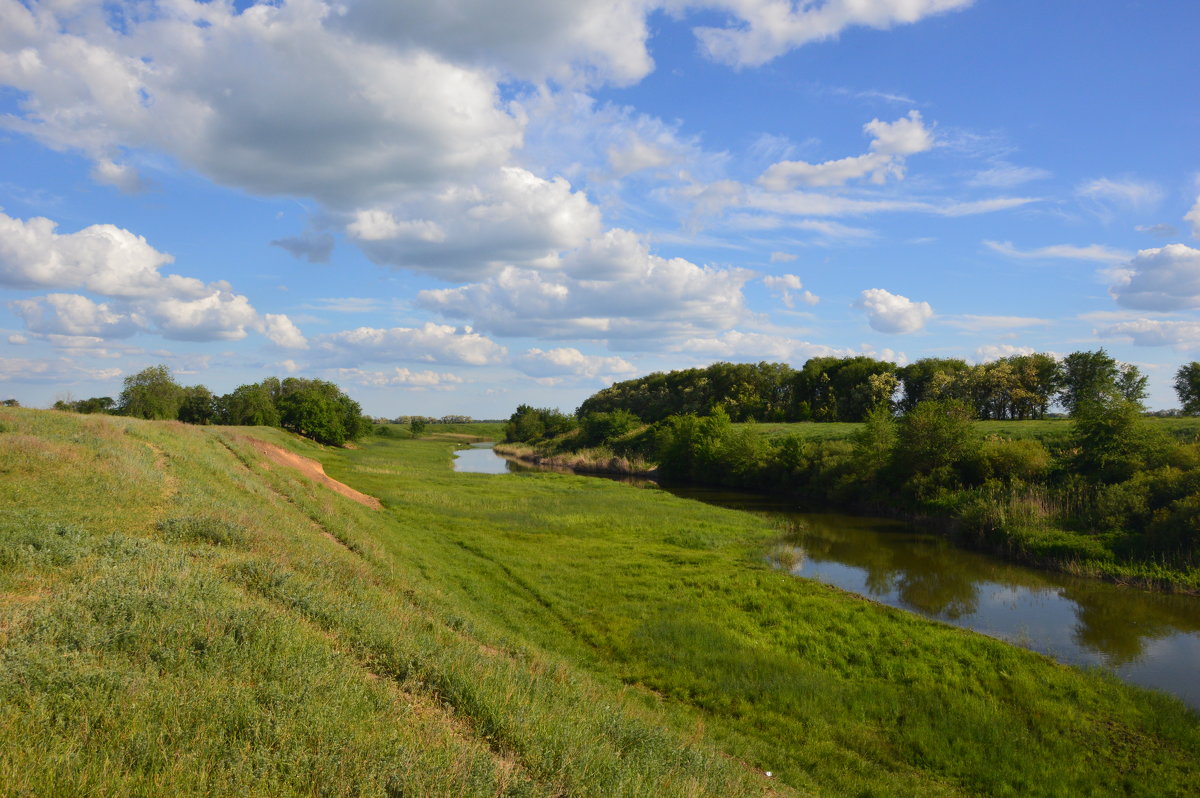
(1147, 639)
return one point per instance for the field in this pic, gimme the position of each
(179, 614)
(1047, 430)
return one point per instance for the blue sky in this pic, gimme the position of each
(460, 207)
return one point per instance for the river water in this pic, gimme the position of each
(1148, 639)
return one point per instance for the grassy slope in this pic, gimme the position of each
(205, 630)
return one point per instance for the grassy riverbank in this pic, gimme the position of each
(217, 623)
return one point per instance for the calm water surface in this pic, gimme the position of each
(1148, 639)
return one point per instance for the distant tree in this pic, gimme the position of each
(151, 393)
(918, 379)
(11, 403)
(1095, 377)
(1187, 388)
(416, 425)
(199, 406)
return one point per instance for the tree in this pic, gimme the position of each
(416, 425)
(151, 393)
(1187, 388)
(319, 410)
(1091, 377)
(937, 436)
(1111, 439)
(12, 403)
(199, 406)
(250, 405)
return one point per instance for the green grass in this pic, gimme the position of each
(1048, 431)
(179, 617)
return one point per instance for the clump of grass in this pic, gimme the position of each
(202, 529)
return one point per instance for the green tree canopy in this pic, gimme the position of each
(1187, 388)
(151, 393)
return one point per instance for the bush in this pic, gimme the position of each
(1021, 460)
(598, 428)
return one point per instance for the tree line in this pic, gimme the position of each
(313, 408)
(1018, 387)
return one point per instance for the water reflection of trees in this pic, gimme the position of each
(934, 577)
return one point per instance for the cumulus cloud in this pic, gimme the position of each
(788, 288)
(562, 362)
(765, 29)
(613, 288)
(1163, 279)
(892, 313)
(281, 331)
(433, 343)
(102, 258)
(117, 264)
(312, 247)
(1148, 332)
(400, 377)
(120, 176)
(516, 219)
(1097, 253)
(891, 144)
(72, 314)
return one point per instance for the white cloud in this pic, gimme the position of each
(783, 285)
(783, 257)
(475, 230)
(400, 377)
(891, 144)
(102, 258)
(1006, 175)
(433, 343)
(120, 176)
(570, 362)
(18, 369)
(17, 339)
(636, 155)
(72, 314)
(117, 264)
(1147, 332)
(282, 331)
(272, 99)
(1161, 230)
(766, 29)
(613, 289)
(759, 346)
(1193, 217)
(990, 352)
(892, 313)
(1163, 279)
(220, 316)
(1097, 253)
(984, 323)
(1106, 198)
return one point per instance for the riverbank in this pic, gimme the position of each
(1117, 503)
(181, 615)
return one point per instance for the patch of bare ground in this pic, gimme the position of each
(313, 470)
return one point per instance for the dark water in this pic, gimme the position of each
(1148, 639)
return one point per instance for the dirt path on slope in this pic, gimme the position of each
(313, 470)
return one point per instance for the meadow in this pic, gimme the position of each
(180, 615)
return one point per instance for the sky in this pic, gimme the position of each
(459, 207)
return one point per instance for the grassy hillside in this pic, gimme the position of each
(181, 615)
